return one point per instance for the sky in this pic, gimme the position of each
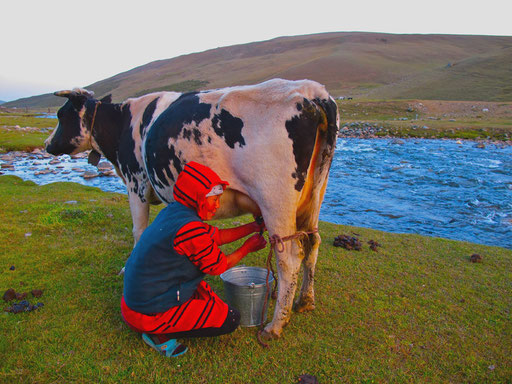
(52, 45)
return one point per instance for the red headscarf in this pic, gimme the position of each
(193, 184)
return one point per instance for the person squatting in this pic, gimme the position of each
(165, 296)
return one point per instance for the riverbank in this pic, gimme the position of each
(444, 319)
(479, 121)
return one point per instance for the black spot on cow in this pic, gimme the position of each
(197, 136)
(226, 125)
(147, 116)
(302, 131)
(186, 110)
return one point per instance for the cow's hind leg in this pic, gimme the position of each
(288, 266)
(306, 300)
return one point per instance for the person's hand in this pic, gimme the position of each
(259, 224)
(255, 243)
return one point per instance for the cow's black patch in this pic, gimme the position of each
(147, 116)
(302, 131)
(186, 110)
(226, 125)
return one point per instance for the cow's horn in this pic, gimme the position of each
(65, 93)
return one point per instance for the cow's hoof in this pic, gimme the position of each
(304, 306)
(270, 334)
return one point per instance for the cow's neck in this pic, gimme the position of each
(106, 128)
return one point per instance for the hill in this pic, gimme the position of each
(357, 64)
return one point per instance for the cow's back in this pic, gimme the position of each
(252, 136)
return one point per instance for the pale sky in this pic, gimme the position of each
(60, 44)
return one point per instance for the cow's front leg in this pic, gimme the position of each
(140, 215)
(140, 218)
(288, 265)
(306, 301)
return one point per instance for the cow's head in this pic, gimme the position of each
(72, 135)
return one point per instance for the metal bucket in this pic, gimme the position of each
(245, 289)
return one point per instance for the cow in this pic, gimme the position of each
(273, 142)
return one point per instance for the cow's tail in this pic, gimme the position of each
(318, 171)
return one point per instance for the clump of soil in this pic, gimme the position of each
(347, 242)
(23, 306)
(9, 295)
(37, 292)
(475, 258)
(308, 379)
(374, 245)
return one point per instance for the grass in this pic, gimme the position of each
(416, 311)
(430, 119)
(22, 131)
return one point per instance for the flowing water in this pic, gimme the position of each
(440, 188)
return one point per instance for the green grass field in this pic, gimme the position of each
(416, 311)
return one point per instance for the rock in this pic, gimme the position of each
(104, 166)
(23, 306)
(89, 175)
(9, 295)
(28, 234)
(55, 161)
(475, 258)
(7, 166)
(71, 202)
(12, 268)
(78, 169)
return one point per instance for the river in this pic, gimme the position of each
(442, 188)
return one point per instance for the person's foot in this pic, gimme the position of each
(168, 348)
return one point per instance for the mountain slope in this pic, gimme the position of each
(348, 63)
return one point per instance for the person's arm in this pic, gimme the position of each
(232, 234)
(252, 244)
(195, 241)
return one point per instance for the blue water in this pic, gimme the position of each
(431, 187)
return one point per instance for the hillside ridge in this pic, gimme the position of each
(356, 64)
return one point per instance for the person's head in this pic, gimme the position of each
(199, 188)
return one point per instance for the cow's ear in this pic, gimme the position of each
(107, 99)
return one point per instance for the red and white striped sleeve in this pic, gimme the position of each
(198, 241)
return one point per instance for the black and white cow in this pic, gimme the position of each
(274, 143)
